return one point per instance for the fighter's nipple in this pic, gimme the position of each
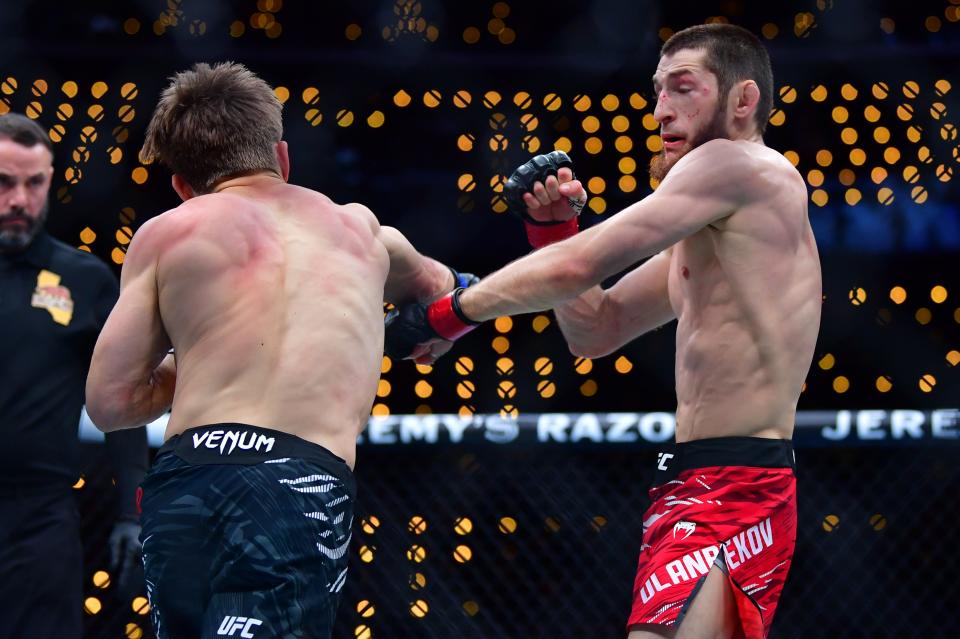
(685, 272)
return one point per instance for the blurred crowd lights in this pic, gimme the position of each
(93, 605)
(408, 19)
(857, 157)
(462, 553)
(591, 124)
(603, 117)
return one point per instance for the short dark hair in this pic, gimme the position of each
(24, 131)
(213, 123)
(733, 54)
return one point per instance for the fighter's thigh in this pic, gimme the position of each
(649, 631)
(713, 612)
(287, 550)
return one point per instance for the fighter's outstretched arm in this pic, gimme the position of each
(597, 321)
(704, 187)
(412, 276)
(132, 378)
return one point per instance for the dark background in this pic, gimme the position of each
(409, 169)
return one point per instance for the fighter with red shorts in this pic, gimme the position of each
(732, 257)
(729, 502)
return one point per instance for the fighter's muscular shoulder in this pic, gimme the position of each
(707, 185)
(362, 214)
(723, 170)
(147, 244)
(184, 234)
(364, 224)
(387, 236)
(724, 177)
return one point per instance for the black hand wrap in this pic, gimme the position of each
(412, 325)
(405, 328)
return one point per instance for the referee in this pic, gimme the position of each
(54, 300)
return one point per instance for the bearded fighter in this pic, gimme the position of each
(732, 258)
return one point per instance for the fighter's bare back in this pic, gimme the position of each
(271, 295)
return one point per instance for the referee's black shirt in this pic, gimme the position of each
(54, 300)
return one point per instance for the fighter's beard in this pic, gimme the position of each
(17, 241)
(715, 129)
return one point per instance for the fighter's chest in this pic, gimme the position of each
(694, 270)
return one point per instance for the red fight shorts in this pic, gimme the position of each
(729, 502)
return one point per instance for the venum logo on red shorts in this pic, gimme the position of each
(685, 527)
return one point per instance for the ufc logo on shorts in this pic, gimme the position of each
(231, 624)
(662, 459)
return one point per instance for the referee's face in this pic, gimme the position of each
(25, 174)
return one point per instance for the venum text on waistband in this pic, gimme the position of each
(229, 440)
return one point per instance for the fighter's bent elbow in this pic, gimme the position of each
(590, 350)
(106, 413)
(591, 341)
(101, 418)
(574, 277)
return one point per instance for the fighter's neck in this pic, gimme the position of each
(747, 135)
(263, 178)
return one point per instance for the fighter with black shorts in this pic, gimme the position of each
(210, 509)
(271, 297)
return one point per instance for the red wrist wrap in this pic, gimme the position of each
(445, 320)
(541, 235)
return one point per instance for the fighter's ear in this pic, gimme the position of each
(745, 99)
(182, 187)
(283, 159)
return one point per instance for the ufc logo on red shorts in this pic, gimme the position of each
(662, 459)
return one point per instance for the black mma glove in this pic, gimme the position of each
(411, 326)
(541, 233)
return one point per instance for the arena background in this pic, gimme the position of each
(501, 490)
